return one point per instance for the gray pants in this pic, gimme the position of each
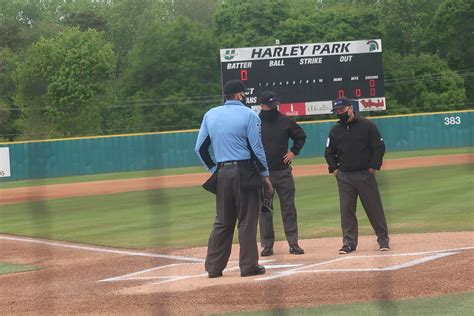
(363, 184)
(233, 204)
(284, 185)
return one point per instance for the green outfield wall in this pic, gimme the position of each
(92, 155)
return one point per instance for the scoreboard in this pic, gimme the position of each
(307, 77)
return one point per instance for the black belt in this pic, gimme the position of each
(230, 163)
(227, 163)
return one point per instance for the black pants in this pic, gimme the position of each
(284, 185)
(362, 184)
(233, 204)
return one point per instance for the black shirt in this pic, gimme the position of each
(356, 145)
(277, 129)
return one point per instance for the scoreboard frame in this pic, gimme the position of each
(307, 77)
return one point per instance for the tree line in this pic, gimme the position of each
(95, 67)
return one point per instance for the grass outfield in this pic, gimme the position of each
(416, 200)
(12, 268)
(198, 169)
(455, 304)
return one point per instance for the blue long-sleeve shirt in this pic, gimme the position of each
(227, 128)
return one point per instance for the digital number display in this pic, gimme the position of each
(307, 77)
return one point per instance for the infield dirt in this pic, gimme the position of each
(69, 281)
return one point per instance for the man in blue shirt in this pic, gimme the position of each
(234, 132)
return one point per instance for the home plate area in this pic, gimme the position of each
(186, 276)
(88, 279)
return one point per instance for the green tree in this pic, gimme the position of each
(167, 55)
(10, 34)
(179, 58)
(128, 20)
(8, 111)
(453, 34)
(86, 20)
(64, 83)
(23, 22)
(407, 25)
(334, 23)
(198, 10)
(242, 23)
(176, 112)
(421, 83)
(123, 117)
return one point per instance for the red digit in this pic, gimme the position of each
(357, 92)
(244, 75)
(340, 93)
(372, 92)
(372, 83)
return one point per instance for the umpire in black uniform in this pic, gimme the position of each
(277, 129)
(354, 151)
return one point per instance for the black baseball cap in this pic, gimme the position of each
(340, 103)
(234, 86)
(269, 98)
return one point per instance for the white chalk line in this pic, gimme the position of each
(102, 249)
(291, 271)
(126, 276)
(295, 268)
(441, 253)
(180, 278)
(389, 268)
(171, 278)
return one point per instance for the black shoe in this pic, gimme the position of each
(385, 248)
(296, 250)
(267, 251)
(258, 270)
(213, 275)
(345, 250)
